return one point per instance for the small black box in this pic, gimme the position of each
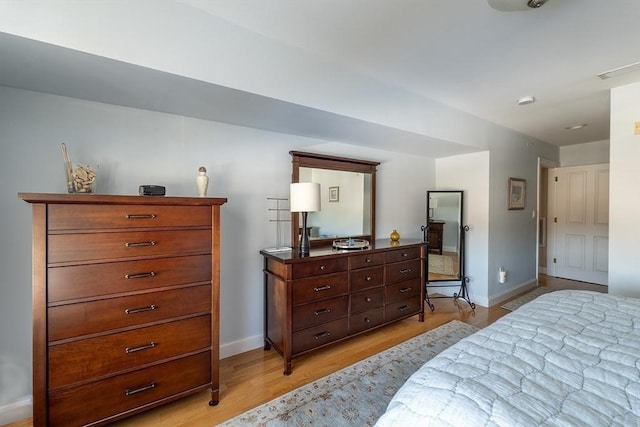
(151, 190)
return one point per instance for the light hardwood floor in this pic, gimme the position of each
(255, 377)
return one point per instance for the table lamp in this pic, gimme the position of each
(304, 197)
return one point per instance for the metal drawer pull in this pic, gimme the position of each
(403, 290)
(368, 278)
(405, 270)
(403, 308)
(367, 320)
(129, 350)
(140, 275)
(140, 216)
(140, 310)
(404, 254)
(367, 260)
(368, 299)
(322, 335)
(322, 288)
(137, 244)
(323, 311)
(129, 392)
(322, 267)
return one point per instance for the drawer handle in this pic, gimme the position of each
(368, 299)
(129, 392)
(322, 335)
(323, 267)
(140, 275)
(138, 244)
(129, 350)
(368, 260)
(367, 320)
(403, 290)
(140, 216)
(323, 311)
(405, 270)
(368, 278)
(403, 308)
(404, 254)
(322, 288)
(140, 310)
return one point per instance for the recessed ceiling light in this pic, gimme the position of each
(526, 100)
(630, 68)
(574, 127)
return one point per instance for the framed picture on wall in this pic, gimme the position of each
(517, 196)
(334, 194)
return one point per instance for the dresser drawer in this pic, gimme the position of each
(315, 268)
(365, 320)
(366, 300)
(319, 335)
(366, 278)
(74, 320)
(315, 288)
(86, 217)
(95, 401)
(312, 314)
(404, 308)
(402, 254)
(93, 280)
(402, 290)
(366, 260)
(83, 360)
(401, 271)
(114, 246)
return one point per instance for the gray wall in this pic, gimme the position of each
(134, 147)
(247, 166)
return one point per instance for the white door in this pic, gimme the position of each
(579, 198)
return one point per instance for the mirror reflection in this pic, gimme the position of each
(345, 203)
(348, 198)
(443, 235)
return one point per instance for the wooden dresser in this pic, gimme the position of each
(434, 236)
(331, 295)
(125, 304)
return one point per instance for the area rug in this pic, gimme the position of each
(512, 305)
(358, 394)
(441, 264)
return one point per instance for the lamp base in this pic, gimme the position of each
(303, 249)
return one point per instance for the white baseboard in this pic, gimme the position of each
(508, 293)
(16, 411)
(237, 347)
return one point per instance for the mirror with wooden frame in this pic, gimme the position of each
(348, 198)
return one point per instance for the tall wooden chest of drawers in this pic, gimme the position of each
(331, 295)
(125, 304)
(434, 236)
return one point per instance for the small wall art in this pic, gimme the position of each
(334, 194)
(517, 196)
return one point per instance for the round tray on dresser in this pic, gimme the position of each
(351, 244)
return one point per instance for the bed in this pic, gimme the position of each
(567, 358)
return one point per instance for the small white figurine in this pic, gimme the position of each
(203, 181)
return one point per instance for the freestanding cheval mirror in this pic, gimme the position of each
(347, 198)
(444, 234)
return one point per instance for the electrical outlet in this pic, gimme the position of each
(637, 131)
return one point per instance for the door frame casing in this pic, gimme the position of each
(544, 166)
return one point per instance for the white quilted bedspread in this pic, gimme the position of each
(568, 358)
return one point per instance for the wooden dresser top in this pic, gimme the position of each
(107, 199)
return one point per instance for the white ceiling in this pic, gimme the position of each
(460, 53)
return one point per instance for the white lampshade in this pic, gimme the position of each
(304, 197)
